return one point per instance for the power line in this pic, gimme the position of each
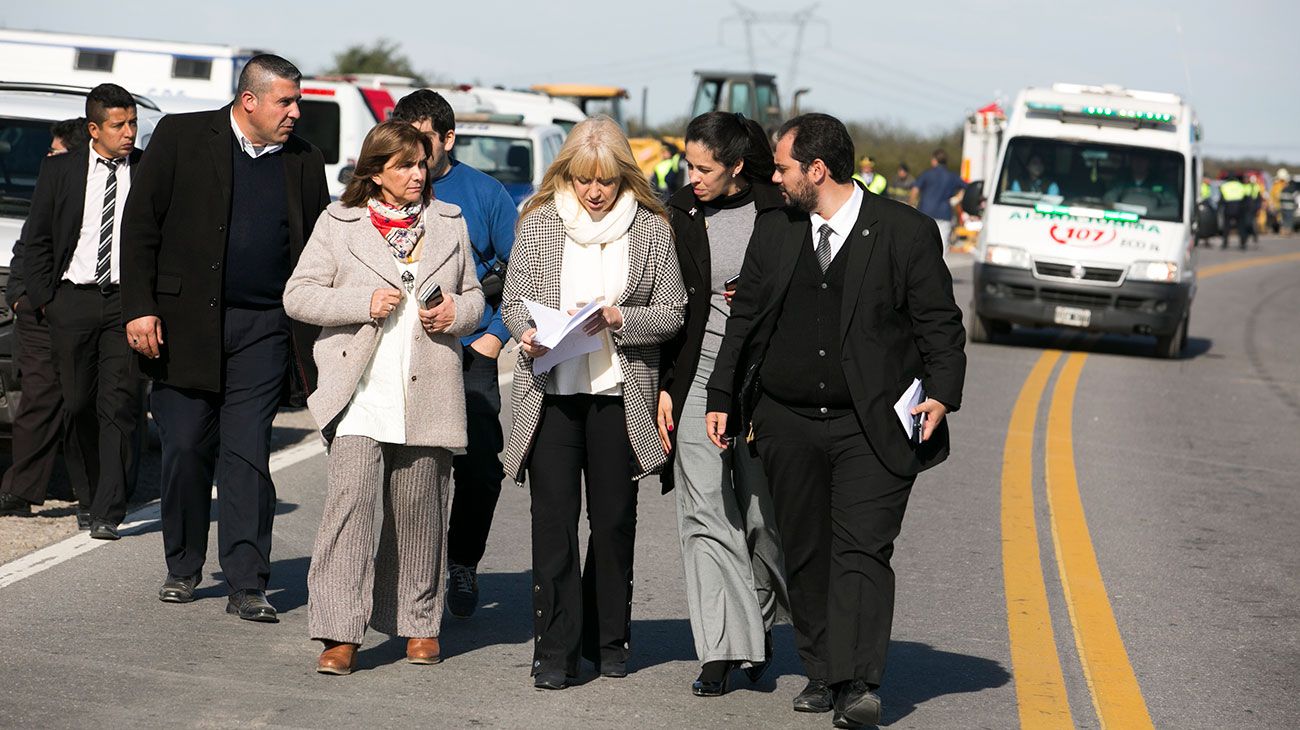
(893, 71)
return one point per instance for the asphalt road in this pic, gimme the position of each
(1115, 536)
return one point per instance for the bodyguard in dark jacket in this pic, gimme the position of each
(844, 301)
(216, 224)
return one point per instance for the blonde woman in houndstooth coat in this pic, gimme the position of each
(594, 231)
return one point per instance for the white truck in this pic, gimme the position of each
(1088, 222)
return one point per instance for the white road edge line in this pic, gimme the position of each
(81, 543)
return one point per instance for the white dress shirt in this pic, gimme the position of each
(81, 269)
(378, 407)
(247, 145)
(841, 222)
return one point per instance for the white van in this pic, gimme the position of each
(1088, 222)
(503, 146)
(336, 116)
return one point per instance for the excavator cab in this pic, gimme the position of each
(751, 94)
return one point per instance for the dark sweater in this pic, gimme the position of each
(257, 251)
(802, 368)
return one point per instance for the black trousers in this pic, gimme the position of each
(38, 425)
(101, 388)
(838, 511)
(588, 614)
(477, 473)
(226, 434)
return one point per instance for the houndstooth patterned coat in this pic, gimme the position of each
(653, 306)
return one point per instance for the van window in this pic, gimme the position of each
(23, 144)
(89, 59)
(1143, 181)
(508, 159)
(191, 68)
(320, 125)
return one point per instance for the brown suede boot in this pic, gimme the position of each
(337, 658)
(423, 651)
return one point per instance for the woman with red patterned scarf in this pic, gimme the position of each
(389, 277)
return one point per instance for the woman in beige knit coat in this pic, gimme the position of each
(390, 401)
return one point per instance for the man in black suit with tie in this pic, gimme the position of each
(842, 302)
(71, 264)
(223, 205)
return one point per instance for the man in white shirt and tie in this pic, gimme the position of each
(72, 268)
(843, 300)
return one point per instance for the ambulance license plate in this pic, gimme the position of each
(1073, 316)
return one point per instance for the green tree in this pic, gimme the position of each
(381, 57)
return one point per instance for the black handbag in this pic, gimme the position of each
(494, 281)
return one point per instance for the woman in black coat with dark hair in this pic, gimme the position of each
(735, 581)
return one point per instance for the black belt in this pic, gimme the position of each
(105, 289)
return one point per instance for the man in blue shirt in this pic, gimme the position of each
(490, 216)
(934, 191)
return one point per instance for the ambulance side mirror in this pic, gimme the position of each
(972, 202)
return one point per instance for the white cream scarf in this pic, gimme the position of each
(594, 266)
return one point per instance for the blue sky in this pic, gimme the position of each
(922, 64)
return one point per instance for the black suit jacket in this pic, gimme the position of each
(680, 356)
(54, 223)
(898, 321)
(174, 242)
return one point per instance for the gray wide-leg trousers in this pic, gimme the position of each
(735, 578)
(399, 589)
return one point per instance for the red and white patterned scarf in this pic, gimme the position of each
(401, 226)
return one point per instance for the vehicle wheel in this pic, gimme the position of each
(1170, 347)
(977, 327)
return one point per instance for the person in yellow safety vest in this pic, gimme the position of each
(1283, 215)
(1203, 203)
(869, 178)
(667, 171)
(1254, 201)
(1232, 200)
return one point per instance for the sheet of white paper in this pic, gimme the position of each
(912, 397)
(562, 334)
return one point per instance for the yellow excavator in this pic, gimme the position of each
(750, 93)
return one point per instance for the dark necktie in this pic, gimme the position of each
(824, 247)
(103, 262)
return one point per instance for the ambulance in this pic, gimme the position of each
(1089, 218)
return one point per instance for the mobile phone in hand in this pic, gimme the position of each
(432, 297)
(730, 284)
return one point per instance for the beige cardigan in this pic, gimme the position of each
(344, 262)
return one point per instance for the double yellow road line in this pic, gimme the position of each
(1036, 665)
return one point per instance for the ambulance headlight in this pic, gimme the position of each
(1007, 256)
(1166, 271)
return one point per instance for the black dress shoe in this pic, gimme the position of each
(83, 519)
(550, 680)
(758, 669)
(251, 605)
(714, 679)
(856, 705)
(177, 589)
(14, 506)
(815, 697)
(101, 530)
